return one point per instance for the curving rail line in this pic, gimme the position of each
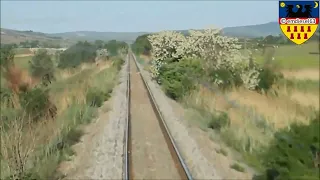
(129, 170)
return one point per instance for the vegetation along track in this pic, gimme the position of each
(150, 151)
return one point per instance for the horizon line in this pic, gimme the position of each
(134, 31)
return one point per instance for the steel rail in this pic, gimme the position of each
(179, 162)
(126, 172)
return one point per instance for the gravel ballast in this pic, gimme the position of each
(198, 165)
(106, 154)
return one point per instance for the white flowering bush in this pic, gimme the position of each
(102, 54)
(250, 78)
(166, 45)
(219, 54)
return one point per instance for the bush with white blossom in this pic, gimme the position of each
(217, 52)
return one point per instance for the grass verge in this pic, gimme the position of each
(272, 133)
(34, 150)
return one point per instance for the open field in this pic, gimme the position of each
(19, 51)
(22, 61)
(294, 56)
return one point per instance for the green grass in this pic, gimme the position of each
(237, 167)
(301, 85)
(23, 62)
(59, 149)
(294, 56)
(76, 114)
(72, 81)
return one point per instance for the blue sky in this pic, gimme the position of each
(133, 16)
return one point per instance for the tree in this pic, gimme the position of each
(114, 46)
(142, 45)
(77, 54)
(34, 44)
(99, 44)
(7, 56)
(42, 66)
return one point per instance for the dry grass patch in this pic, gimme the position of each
(308, 73)
(306, 99)
(34, 150)
(252, 118)
(279, 111)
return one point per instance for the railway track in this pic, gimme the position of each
(150, 151)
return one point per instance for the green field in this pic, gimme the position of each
(22, 51)
(23, 62)
(294, 56)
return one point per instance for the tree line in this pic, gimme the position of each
(142, 45)
(33, 44)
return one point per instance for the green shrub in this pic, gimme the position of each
(42, 66)
(268, 77)
(237, 167)
(114, 46)
(218, 121)
(142, 45)
(228, 78)
(95, 97)
(75, 55)
(117, 62)
(9, 116)
(72, 137)
(179, 78)
(7, 56)
(292, 153)
(6, 96)
(36, 104)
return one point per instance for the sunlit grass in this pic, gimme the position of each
(23, 62)
(254, 118)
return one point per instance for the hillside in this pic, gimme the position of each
(240, 31)
(9, 36)
(14, 36)
(266, 29)
(105, 36)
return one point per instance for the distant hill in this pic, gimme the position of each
(14, 36)
(105, 36)
(240, 31)
(249, 31)
(258, 30)
(9, 36)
